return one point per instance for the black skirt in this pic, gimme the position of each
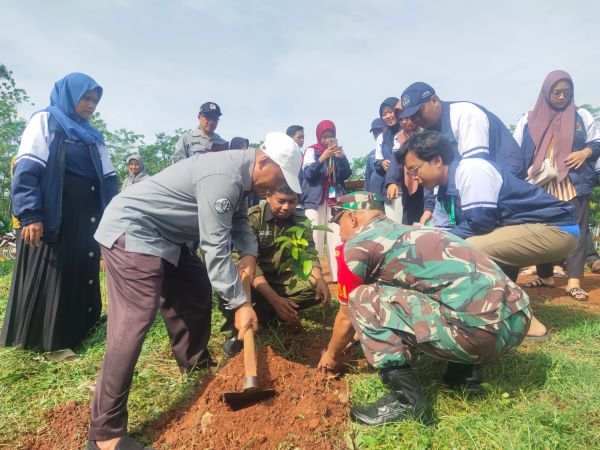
(55, 293)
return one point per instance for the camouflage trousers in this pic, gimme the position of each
(389, 323)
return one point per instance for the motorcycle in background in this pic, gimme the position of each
(8, 246)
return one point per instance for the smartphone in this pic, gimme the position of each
(332, 142)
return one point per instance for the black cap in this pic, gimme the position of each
(378, 124)
(210, 109)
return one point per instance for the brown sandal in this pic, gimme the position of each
(578, 294)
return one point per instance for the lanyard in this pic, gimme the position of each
(449, 209)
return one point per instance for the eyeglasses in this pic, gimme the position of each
(414, 171)
(566, 93)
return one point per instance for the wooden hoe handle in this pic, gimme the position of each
(249, 349)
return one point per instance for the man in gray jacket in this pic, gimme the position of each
(202, 139)
(142, 235)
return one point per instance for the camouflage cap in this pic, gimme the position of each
(355, 201)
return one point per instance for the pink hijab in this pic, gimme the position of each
(322, 127)
(547, 124)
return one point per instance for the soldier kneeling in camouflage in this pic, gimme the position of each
(423, 288)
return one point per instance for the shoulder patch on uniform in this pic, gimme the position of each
(222, 205)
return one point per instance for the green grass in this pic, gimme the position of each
(30, 384)
(544, 396)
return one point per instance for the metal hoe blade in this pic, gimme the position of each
(248, 397)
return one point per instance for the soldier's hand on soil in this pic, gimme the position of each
(245, 318)
(322, 292)
(247, 263)
(328, 362)
(285, 309)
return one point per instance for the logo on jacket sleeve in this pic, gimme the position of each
(222, 205)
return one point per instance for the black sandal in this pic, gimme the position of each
(538, 282)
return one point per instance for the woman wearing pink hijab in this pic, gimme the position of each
(562, 143)
(325, 168)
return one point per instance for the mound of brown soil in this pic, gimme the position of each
(65, 426)
(309, 411)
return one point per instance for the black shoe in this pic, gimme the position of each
(232, 346)
(206, 363)
(463, 377)
(404, 401)
(125, 443)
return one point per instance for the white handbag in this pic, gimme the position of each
(546, 174)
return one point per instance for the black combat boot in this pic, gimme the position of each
(464, 377)
(404, 401)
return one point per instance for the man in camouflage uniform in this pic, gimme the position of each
(418, 287)
(203, 139)
(275, 294)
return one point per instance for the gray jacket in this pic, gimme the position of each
(192, 142)
(197, 199)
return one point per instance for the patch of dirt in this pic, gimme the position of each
(309, 411)
(558, 296)
(65, 426)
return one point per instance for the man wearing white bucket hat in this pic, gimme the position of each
(142, 234)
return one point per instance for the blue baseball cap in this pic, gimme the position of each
(377, 124)
(413, 97)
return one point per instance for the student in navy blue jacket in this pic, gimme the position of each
(63, 179)
(472, 130)
(385, 164)
(373, 179)
(515, 223)
(561, 144)
(325, 169)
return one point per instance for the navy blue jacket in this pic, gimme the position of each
(503, 149)
(37, 191)
(584, 178)
(373, 179)
(392, 176)
(485, 196)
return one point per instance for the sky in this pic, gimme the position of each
(270, 64)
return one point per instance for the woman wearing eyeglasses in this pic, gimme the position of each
(561, 143)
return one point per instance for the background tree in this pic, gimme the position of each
(120, 144)
(595, 197)
(358, 168)
(11, 128)
(157, 156)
